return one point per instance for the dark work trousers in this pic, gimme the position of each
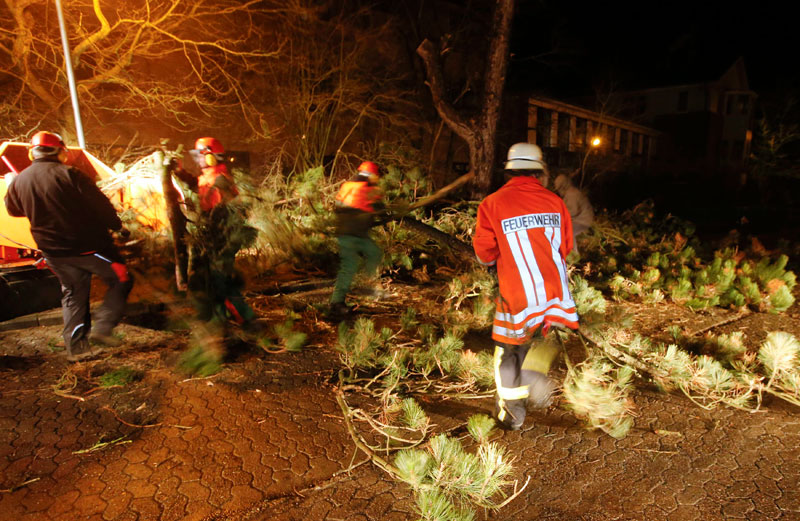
(75, 274)
(516, 369)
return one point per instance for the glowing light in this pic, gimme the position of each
(596, 142)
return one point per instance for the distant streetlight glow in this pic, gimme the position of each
(596, 142)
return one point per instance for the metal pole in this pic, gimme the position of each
(73, 91)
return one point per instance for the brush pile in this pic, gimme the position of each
(638, 255)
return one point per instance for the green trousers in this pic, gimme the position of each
(351, 250)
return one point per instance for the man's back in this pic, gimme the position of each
(527, 230)
(69, 215)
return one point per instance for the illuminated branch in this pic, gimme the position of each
(104, 30)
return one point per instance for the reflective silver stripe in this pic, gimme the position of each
(522, 268)
(534, 321)
(533, 266)
(102, 258)
(516, 393)
(498, 354)
(555, 243)
(76, 329)
(506, 393)
(519, 318)
(502, 414)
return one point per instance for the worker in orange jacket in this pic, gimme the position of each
(219, 233)
(525, 231)
(358, 204)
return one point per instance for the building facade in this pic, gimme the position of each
(569, 134)
(708, 125)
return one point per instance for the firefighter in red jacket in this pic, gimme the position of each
(219, 232)
(358, 204)
(525, 231)
(70, 220)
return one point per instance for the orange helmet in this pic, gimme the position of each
(47, 144)
(369, 168)
(208, 151)
(209, 144)
(47, 139)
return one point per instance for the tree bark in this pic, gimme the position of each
(459, 249)
(177, 222)
(479, 131)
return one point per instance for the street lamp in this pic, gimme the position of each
(595, 143)
(73, 91)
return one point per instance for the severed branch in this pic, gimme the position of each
(379, 461)
(723, 322)
(425, 201)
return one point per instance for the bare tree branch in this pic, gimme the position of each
(480, 130)
(430, 57)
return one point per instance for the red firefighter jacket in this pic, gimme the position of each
(526, 231)
(214, 186)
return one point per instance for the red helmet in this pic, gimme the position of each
(209, 144)
(368, 167)
(47, 139)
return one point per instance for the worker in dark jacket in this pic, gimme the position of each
(358, 204)
(70, 220)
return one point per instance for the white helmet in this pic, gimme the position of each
(524, 156)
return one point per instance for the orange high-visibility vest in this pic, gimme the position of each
(214, 186)
(359, 194)
(526, 231)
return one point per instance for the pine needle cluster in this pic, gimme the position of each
(725, 372)
(286, 337)
(294, 219)
(598, 392)
(430, 360)
(447, 480)
(589, 301)
(457, 220)
(641, 256)
(470, 300)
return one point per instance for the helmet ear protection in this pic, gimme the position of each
(62, 155)
(211, 159)
(209, 147)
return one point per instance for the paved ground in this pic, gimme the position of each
(265, 439)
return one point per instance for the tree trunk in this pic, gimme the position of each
(177, 222)
(479, 131)
(459, 249)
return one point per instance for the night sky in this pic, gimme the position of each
(647, 44)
